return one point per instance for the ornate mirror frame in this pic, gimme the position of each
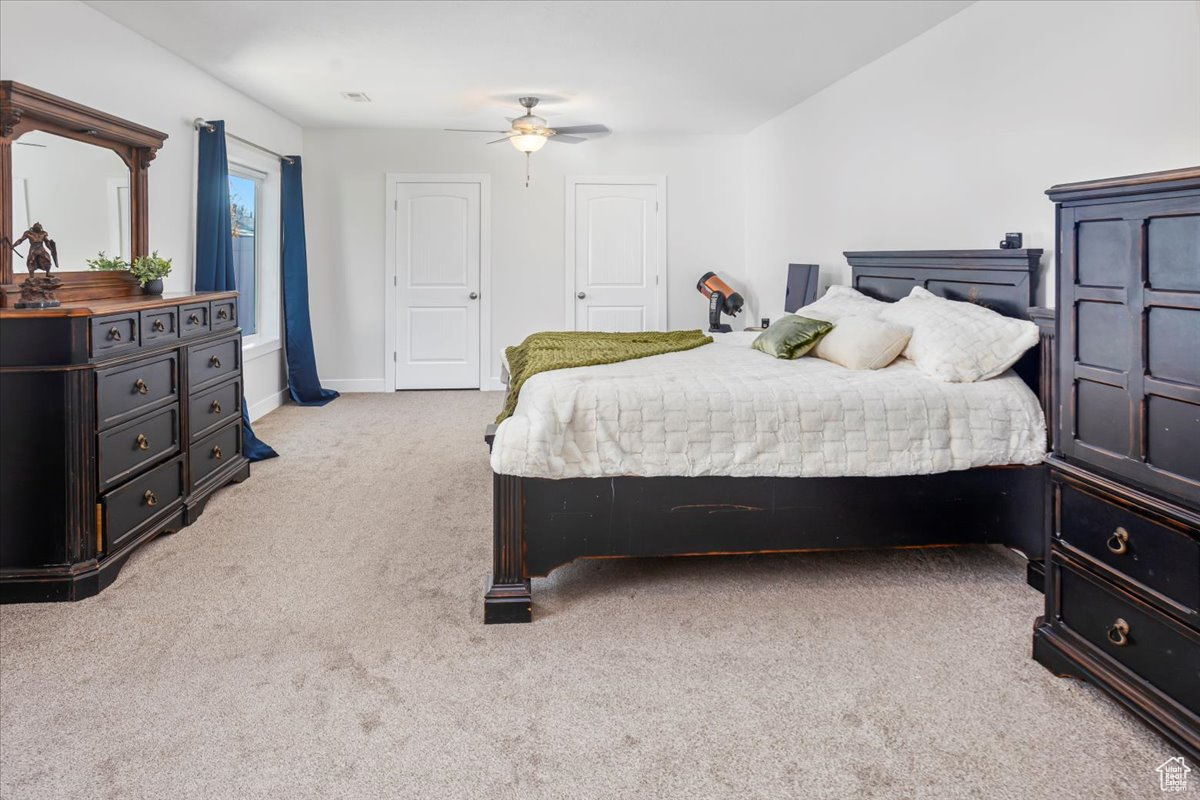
(24, 109)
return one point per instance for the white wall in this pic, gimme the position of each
(952, 139)
(345, 215)
(71, 50)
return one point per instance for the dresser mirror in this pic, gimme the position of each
(80, 194)
(80, 172)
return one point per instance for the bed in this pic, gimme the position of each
(721, 450)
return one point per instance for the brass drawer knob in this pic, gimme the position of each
(1118, 633)
(217, 452)
(142, 442)
(1118, 543)
(150, 497)
(114, 334)
(141, 386)
(193, 319)
(214, 362)
(215, 408)
(223, 314)
(158, 325)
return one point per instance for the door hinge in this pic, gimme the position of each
(395, 205)
(656, 279)
(393, 355)
(395, 280)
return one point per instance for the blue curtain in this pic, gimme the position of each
(214, 245)
(303, 383)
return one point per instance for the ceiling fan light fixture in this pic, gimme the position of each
(528, 142)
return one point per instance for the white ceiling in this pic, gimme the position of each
(699, 67)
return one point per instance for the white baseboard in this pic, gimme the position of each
(267, 404)
(493, 384)
(355, 384)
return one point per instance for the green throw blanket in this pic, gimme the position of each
(541, 352)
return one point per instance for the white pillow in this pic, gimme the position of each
(858, 342)
(842, 301)
(959, 342)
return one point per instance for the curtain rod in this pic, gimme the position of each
(200, 122)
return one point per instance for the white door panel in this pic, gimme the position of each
(617, 234)
(437, 271)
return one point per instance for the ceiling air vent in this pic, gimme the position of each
(356, 97)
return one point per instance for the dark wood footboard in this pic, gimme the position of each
(541, 524)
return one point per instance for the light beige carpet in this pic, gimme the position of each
(317, 634)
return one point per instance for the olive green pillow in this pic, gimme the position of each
(791, 336)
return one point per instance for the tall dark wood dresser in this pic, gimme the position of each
(119, 418)
(1123, 572)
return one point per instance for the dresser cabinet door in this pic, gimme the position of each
(1130, 371)
(130, 447)
(212, 363)
(126, 391)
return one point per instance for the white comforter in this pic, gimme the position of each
(726, 409)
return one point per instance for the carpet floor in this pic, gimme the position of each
(318, 634)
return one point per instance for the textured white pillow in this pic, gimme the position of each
(959, 342)
(842, 301)
(858, 342)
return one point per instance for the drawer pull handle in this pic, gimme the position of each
(1118, 543)
(142, 442)
(114, 334)
(215, 408)
(217, 452)
(141, 386)
(223, 314)
(1118, 633)
(151, 497)
(214, 362)
(158, 325)
(193, 319)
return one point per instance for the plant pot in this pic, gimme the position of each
(153, 287)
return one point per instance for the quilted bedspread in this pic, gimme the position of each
(728, 409)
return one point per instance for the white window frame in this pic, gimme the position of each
(246, 162)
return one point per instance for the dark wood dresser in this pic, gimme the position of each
(118, 419)
(1123, 571)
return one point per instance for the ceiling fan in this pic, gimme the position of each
(529, 133)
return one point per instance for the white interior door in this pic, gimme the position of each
(437, 285)
(618, 247)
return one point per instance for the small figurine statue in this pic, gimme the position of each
(38, 292)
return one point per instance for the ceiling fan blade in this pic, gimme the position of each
(558, 137)
(497, 141)
(473, 130)
(582, 129)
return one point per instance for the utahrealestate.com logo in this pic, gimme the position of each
(1173, 775)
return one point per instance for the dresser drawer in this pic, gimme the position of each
(125, 511)
(1160, 558)
(160, 326)
(224, 314)
(126, 391)
(1163, 653)
(193, 320)
(213, 408)
(126, 449)
(215, 451)
(113, 335)
(211, 363)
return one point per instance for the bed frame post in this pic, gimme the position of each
(508, 599)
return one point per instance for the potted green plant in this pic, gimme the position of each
(149, 271)
(105, 264)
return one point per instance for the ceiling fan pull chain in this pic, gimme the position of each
(527, 170)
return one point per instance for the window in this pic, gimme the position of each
(245, 189)
(255, 223)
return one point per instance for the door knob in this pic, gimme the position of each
(581, 295)
(474, 295)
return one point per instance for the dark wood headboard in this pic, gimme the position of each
(1002, 280)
